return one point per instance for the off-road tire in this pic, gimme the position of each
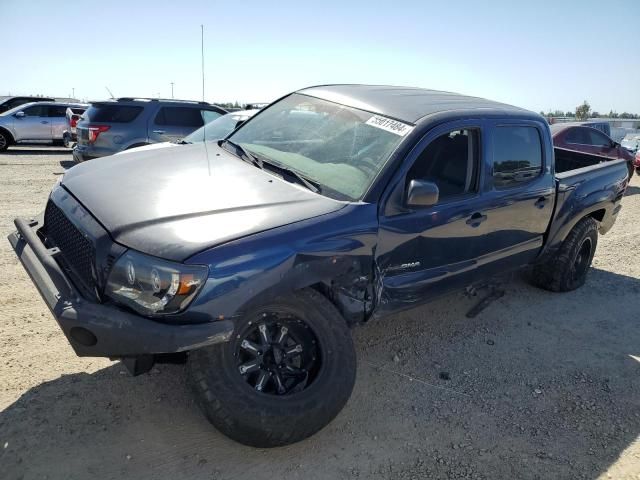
(261, 420)
(558, 273)
(5, 141)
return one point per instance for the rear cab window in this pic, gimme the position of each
(113, 113)
(517, 155)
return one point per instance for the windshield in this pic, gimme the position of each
(340, 148)
(217, 129)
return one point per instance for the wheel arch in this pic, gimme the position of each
(6, 131)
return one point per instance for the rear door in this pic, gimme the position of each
(519, 194)
(173, 123)
(58, 119)
(35, 125)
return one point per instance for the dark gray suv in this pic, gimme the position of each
(111, 126)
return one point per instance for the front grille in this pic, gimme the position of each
(76, 250)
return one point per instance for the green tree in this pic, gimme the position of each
(582, 111)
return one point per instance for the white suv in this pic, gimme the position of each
(34, 121)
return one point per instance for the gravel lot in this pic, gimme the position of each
(539, 385)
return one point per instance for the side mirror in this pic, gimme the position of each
(421, 193)
(19, 114)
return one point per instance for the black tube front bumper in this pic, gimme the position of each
(101, 330)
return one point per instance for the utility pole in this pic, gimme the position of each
(73, 94)
(171, 89)
(202, 54)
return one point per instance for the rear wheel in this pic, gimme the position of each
(288, 371)
(66, 140)
(568, 269)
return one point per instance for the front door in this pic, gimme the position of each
(35, 125)
(423, 252)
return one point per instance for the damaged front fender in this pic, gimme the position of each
(333, 253)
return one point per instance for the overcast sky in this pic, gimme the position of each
(539, 54)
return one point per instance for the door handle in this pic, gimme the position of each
(159, 131)
(476, 219)
(44, 122)
(541, 202)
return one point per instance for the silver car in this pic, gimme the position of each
(41, 121)
(212, 131)
(112, 126)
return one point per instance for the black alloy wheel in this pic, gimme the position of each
(278, 354)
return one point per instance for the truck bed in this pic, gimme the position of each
(589, 184)
(568, 160)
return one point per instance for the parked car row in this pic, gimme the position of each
(108, 127)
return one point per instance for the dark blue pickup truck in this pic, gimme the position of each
(251, 257)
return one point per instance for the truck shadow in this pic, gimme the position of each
(632, 190)
(539, 385)
(67, 164)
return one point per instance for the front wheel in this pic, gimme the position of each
(5, 141)
(568, 269)
(287, 372)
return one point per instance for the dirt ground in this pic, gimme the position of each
(539, 385)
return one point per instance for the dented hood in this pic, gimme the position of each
(175, 202)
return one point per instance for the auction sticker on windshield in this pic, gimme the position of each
(393, 126)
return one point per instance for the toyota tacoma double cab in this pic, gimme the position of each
(251, 257)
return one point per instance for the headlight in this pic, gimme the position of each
(152, 286)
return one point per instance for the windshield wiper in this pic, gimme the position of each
(251, 157)
(258, 162)
(313, 186)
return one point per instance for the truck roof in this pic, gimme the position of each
(408, 104)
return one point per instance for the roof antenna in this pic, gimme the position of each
(109, 92)
(204, 125)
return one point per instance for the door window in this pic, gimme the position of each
(517, 155)
(578, 136)
(57, 111)
(598, 139)
(179, 117)
(451, 162)
(36, 111)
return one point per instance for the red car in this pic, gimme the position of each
(590, 140)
